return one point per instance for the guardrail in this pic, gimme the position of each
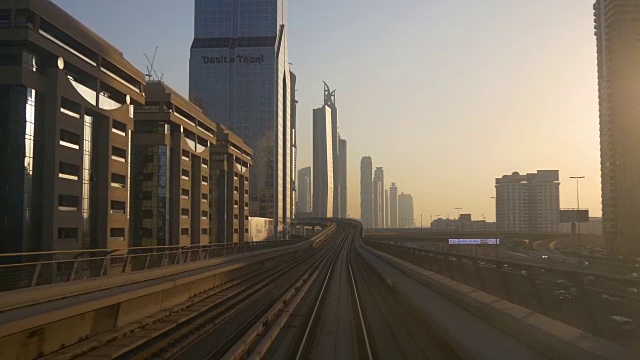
(23, 270)
(585, 300)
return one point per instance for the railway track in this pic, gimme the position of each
(210, 327)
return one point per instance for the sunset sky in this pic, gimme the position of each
(445, 95)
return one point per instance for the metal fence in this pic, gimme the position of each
(23, 270)
(590, 301)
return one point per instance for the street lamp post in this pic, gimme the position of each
(577, 220)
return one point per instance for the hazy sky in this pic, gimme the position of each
(445, 95)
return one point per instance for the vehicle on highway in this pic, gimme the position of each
(545, 256)
(611, 298)
(635, 275)
(632, 290)
(622, 323)
(563, 295)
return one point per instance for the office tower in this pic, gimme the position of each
(366, 192)
(294, 142)
(230, 164)
(528, 202)
(304, 186)
(322, 163)
(617, 31)
(342, 169)
(405, 211)
(66, 117)
(386, 208)
(239, 75)
(330, 101)
(378, 198)
(393, 206)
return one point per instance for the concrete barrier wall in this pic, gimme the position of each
(33, 331)
(551, 337)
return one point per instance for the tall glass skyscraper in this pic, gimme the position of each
(239, 75)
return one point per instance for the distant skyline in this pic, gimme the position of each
(446, 100)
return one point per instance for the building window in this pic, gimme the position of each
(186, 155)
(246, 191)
(119, 127)
(67, 233)
(119, 181)
(146, 195)
(184, 193)
(69, 171)
(184, 232)
(185, 174)
(205, 197)
(205, 163)
(147, 176)
(236, 203)
(118, 207)
(205, 214)
(68, 202)
(184, 213)
(70, 108)
(236, 216)
(205, 180)
(147, 214)
(118, 154)
(116, 233)
(235, 230)
(236, 189)
(235, 175)
(5, 19)
(147, 232)
(69, 139)
(205, 231)
(246, 230)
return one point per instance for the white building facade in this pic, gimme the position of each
(529, 202)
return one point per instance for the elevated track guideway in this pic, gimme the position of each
(327, 297)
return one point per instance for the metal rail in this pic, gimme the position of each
(24, 270)
(272, 322)
(357, 297)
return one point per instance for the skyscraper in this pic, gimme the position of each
(239, 75)
(294, 142)
(617, 31)
(528, 202)
(393, 206)
(366, 192)
(304, 186)
(405, 211)
(378, 198)
(339, 159)
(322, 163)
(342, 181)
(386, 208)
